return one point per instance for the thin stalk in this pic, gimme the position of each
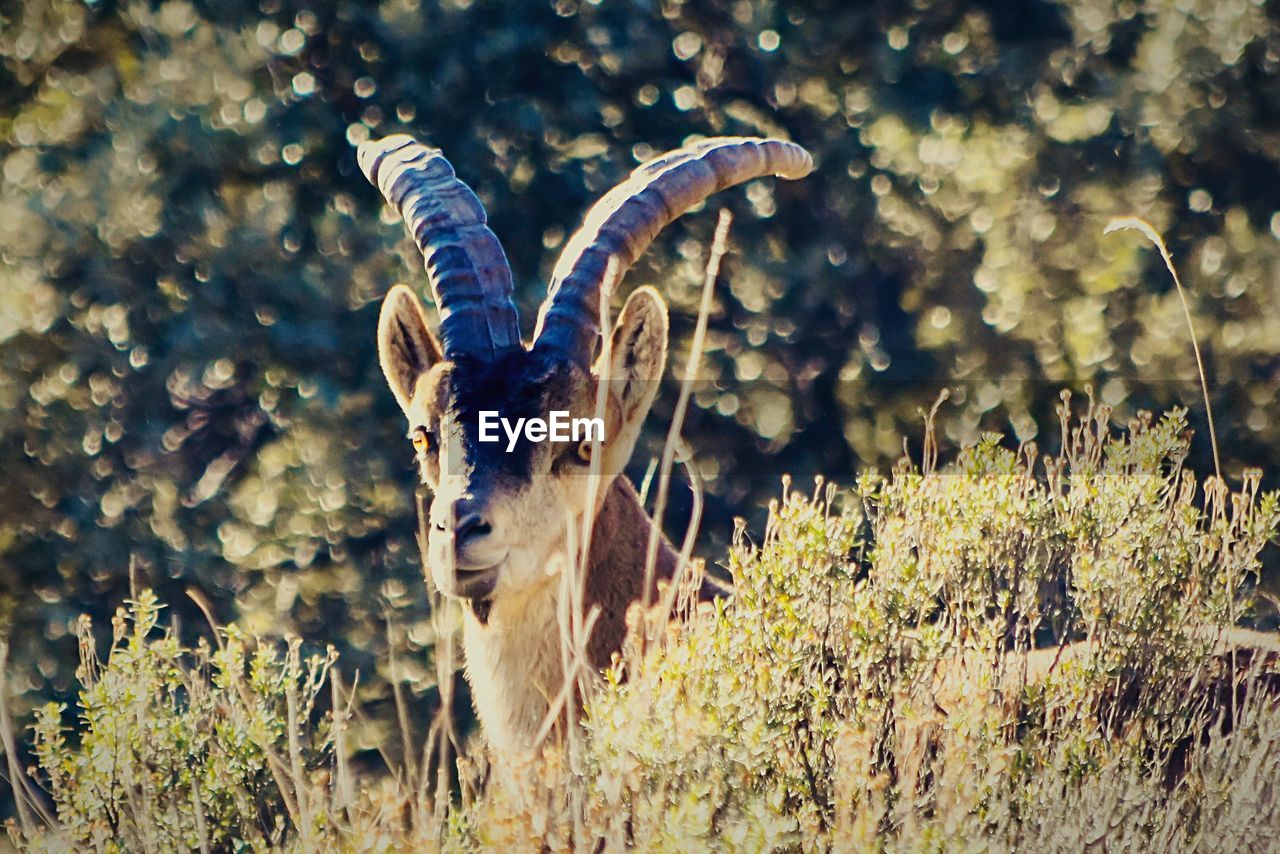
(1133, 222)
(295, 747)
(402, 708)
(23, 797)
(719, 245)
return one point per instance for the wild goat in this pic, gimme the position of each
(500, 518)
(503, 511)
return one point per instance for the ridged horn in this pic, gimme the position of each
(469, 274)
(628, 218)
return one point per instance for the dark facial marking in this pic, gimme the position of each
(519, 385)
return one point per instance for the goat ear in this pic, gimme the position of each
(406, 347)
(638, 353)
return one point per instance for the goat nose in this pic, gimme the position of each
(473, 526)
(469, 523)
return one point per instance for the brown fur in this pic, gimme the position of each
(619, 544)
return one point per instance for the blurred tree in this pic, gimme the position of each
(190, 261)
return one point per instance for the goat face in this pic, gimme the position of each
(502, 511)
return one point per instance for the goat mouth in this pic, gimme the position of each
(475, 582)
(464, 570)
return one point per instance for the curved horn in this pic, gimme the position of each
(470, 277)
(627, 219)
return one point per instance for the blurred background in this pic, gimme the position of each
(191, 264)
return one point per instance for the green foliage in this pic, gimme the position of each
(180, 748)
(190, 261)
(870, 649)
(888, 675)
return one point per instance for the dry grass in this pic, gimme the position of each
(1148, 230)
(872, 683)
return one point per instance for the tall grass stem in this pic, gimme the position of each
(1147, 229)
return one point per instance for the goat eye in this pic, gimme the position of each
(584, 451)
(421, 440)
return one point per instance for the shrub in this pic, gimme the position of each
(891, 673)
(184, 749)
